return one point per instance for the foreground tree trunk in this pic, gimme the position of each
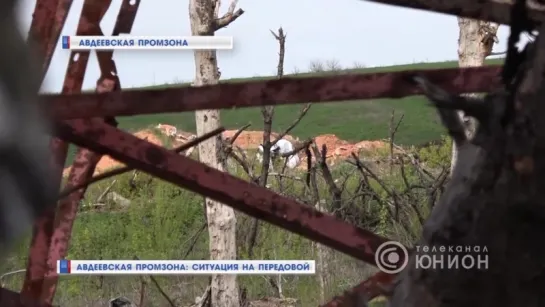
(495, 198)
(475, 43)
(220, 218)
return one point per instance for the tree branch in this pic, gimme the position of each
(159, 288)
(328, 178)
(268, 114)
(229, 17)
(295, 123)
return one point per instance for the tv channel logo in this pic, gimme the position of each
(391, 257)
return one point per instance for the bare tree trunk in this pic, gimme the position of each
(220, 218)
(475, 43)
(323, 269)
(268, 115)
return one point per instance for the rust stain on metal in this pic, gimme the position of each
(41, 28)
(47, 21)
(63, 7)
(270, 92)
(251, 199)
(85, 161)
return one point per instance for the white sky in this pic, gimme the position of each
(344, 30)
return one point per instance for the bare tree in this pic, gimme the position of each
(268, 114)
(268, 111)
(316, 66)
(205, 21)
(475, 43)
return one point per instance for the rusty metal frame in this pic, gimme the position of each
(40, 280)
(80, 119)
(45, 32)
(85, 160)
(270, 92)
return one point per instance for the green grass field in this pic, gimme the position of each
(171, 216)
(352, 120)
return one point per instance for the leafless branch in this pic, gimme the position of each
(313, 183)
(298, 148)
(229, 17)
(69, 190)
(238, 133)
(295, 178)
(328, 178)
(281, 38)
(302, 114)
(8, 274)
(415, 162)
(393, 130)
(99, 198)
(161, 291)
(366, 172)
(143, 285)
(243, 162)
(268, 114)
(240, 158)
(268, 111)
(309, 164)
(203, 300)
(194, 239)
(412, 201)
(496, 53)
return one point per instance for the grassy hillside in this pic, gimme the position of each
(353, 121)
(163, 221)
(166, 222)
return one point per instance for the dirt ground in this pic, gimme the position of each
(337, 149)
(252, 139)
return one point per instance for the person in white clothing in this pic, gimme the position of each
(168, 130)
(281, 148)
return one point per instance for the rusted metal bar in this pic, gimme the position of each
(43, 227)
(248, 198)
(41, 28)
(498, 11)
(42, 230)
(271, 92)
(43, 34)
(370, 289)
(45, 28)
(63, 8)
(85, 161)
(10, 298)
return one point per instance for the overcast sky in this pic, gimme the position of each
(348, 31)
